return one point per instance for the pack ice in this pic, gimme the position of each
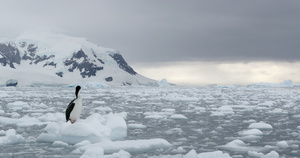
(155, 122)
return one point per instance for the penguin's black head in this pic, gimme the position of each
(77, 90)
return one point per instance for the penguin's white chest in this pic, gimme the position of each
(76, 110)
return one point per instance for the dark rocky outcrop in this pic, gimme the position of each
(123, 64)
(11, 82)
(9, 55)
(109, 79)
(86, 67)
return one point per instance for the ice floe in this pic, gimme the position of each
(18, 105)
(260, 125)
(239, 146)
(10, 137)
(255, 154)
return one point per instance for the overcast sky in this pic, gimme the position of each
(184, 41)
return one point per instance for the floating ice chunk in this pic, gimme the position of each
(163, 83)
(200, 109)
(103, 110)
(168, 110)
(83, 143)
(59, 143)
(277, 111)
(41, 105)
(178, 116)
(52, 117)
(11, 137)
(174, 130)
(118, 127)
(249, 121)
(93, 151)
(136, 126)
(191, 154)
(282, 144)
(255, 154)
(179, 150)
(251, 138)
(122, 114)
(157, 115)
(251, 132)
(267, 103)
(238, 146)
(214, 154)
(95, 128)
(223, 110)
(120, 154)
(129, 145)
(15, 115)
(24, 121)
(260, 125)
(18, 105)
(154, 116)
(98, 102)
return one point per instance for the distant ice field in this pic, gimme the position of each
(165, 122)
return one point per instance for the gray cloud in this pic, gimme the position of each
(171, 30)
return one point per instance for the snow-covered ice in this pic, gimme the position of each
(157, 122)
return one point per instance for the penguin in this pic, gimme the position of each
(74, 108)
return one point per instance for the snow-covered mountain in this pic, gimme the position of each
(52, 58)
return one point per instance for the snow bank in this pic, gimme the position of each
(11, 137)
